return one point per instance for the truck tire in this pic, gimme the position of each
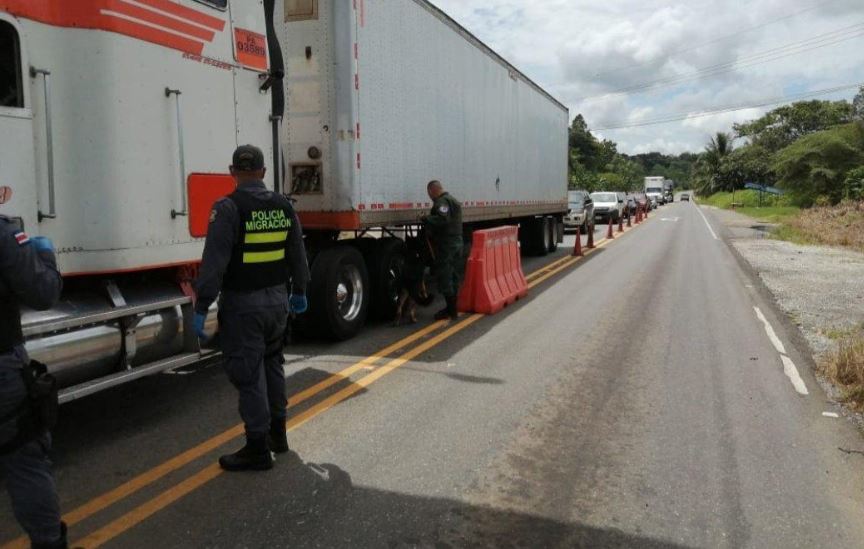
(385, 269)
(552, 229)
(339, 293)
(532, 236)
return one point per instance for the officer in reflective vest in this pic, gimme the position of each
(254, 249)
(444, 224)
(28, 276)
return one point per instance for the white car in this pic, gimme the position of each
(607, 205)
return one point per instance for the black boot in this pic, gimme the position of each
(278, 436)
(59, 544)
(449, 310)
(255, 456)
(452, 309)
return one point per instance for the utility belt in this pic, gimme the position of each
(37, 413)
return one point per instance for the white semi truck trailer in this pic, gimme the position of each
(118, 118)
(654, 189)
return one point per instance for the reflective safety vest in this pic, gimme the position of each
(258, 260)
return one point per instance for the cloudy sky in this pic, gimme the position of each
(685, 57)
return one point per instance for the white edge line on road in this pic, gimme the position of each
(770, 331)
(831, 414)
(699, 209)
(792, 373)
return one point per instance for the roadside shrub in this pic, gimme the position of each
(746, 198)
(818, 164)
(841, 225)
(853, 187)
(845, 368)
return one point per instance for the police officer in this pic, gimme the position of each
(444, 224)
(28, 276)
(254, 247)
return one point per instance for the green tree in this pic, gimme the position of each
(858, 105)
(782, 126)
(819, 164)
(853, 187)
(631, 172)
(710, 175)
(750, 163)
(611, 182)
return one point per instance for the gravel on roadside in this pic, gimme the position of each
(820, 288)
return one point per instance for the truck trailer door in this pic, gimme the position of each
(18, 187)
(249, 31)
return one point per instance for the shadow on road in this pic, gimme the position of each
(323, 508)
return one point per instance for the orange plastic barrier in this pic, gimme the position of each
(493, 275)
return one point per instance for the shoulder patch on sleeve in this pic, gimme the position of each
(444, 208)
(21, 238)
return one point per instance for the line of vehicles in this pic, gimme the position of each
(586, 209)
(118, 119)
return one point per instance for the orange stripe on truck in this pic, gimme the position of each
(100, 15)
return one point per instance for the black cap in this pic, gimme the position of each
(248, 158)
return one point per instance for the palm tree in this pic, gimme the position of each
(712, 160)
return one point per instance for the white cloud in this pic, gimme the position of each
(581, 50)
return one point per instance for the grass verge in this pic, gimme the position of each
(841, 225)
(845, 368)
(770, 214)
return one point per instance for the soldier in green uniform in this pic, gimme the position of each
(444, 224)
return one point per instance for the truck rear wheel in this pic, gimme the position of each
(535, 235)
(385, 267)
(339, 293)
(552, 229)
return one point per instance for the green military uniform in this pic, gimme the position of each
(444, 224)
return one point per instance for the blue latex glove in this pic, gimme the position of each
(298, 304)
(200, 319)
(42, 244)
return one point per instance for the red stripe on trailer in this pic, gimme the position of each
(188, 14)
(137, 12)
(155, 36)
(358, 130)
(358, 161)
(356, 51)
(400, 205)
(356, 81)
(90, 14)
(142, 268)
(344, 221)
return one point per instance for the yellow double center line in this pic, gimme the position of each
(169, 496)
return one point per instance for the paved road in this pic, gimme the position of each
(635, 399)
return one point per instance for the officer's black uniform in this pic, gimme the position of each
(27, 277)
(254, 247)
(444, 223)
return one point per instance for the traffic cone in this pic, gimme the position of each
(577, 249)
(610, 233)
(590, 244)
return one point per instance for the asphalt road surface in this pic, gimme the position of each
(644, 396)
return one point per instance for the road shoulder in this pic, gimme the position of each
(811, 293)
